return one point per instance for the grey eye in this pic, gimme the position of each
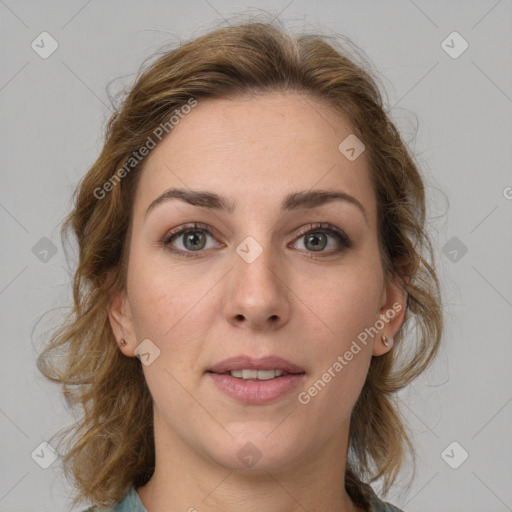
(193, 240)
(315, 241)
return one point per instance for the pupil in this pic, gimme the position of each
(193, 238)
(316, 244)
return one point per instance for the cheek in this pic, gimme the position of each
(345, 303)
(171, 309)
(156, 299)
(343, 309)
(344, 352)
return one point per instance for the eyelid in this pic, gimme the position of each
(341, 237)
(189, 227)
(327, 227)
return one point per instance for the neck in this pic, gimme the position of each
(185, 479)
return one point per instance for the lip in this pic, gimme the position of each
(243, 362)
(256, 392)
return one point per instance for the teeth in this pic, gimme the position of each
(256, 374)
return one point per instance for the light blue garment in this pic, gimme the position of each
(131, 503)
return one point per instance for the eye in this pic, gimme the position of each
(193, 239)
(315, 239)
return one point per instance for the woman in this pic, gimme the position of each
(252, 252)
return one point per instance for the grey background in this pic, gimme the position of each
(455, 113)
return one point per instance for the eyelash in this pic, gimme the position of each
(322, 227)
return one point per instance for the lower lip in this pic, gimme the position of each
(256, 391)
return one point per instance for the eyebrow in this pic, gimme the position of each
(294, 201)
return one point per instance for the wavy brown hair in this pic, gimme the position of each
(112, 444)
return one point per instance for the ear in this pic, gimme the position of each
(391, 314)
(121, 320)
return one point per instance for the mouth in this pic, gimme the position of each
(248, 374)
(256, 381)
(247, 368)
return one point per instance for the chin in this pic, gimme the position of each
(256, 452)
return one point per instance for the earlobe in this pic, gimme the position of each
(386, 341)
(121, 321)
(391, 315)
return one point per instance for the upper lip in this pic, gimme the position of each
(243, 362)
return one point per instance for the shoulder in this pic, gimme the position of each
(102, 509)
(129, 503)
(377, 505)
(383, 506)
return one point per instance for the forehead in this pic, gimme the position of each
(255, 150)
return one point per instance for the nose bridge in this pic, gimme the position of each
(255, 253)
(257, 291)
(256, 265)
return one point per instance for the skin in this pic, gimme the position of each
(306, 306)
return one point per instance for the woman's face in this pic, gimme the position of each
(258, 285)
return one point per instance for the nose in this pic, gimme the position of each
(256, 294)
